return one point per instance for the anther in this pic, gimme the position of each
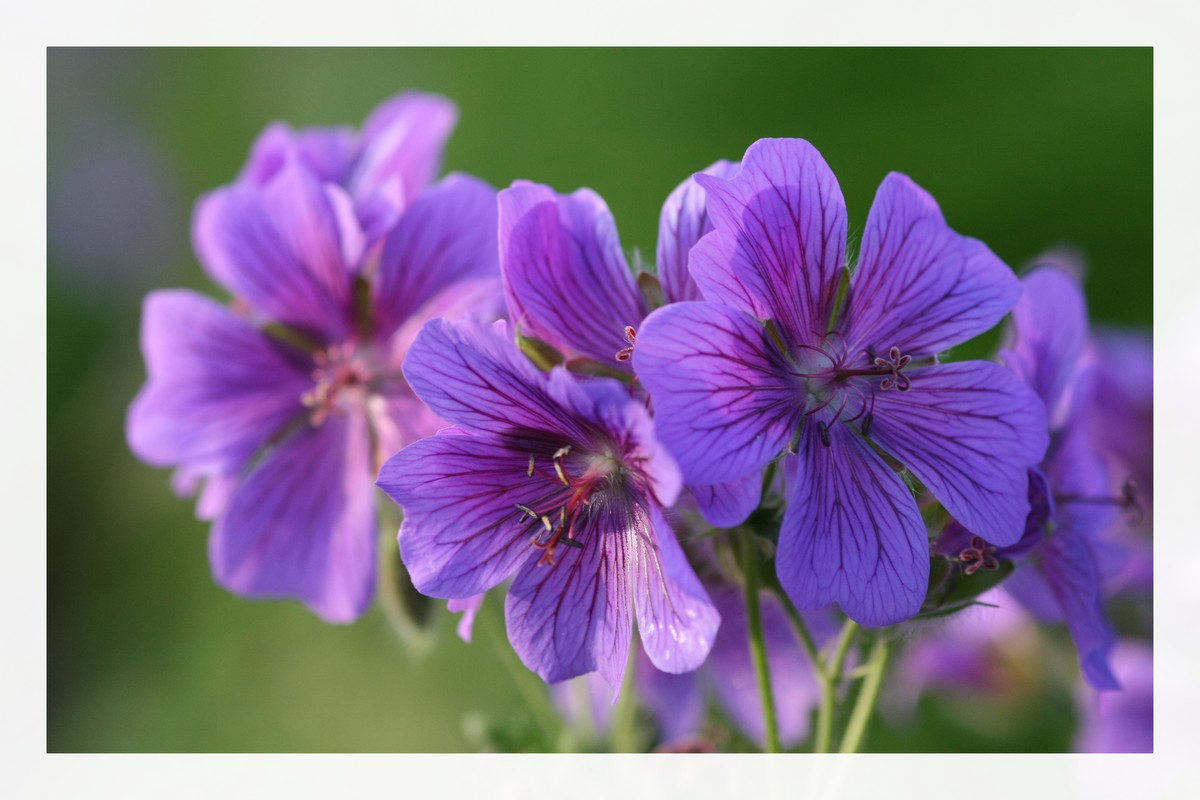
(626, 353)
(823, 429)
(526, 510)
(530, 472)
(549, 525)
(558, 467)
(866, 423)
(894, 363)
(978, 556)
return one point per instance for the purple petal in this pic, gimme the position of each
(576, 616)
(327, 152)
(1079, 473)
(447, 237)
(279, 248)
(218, 389)
(780, 237)
(302, 524)
(675, 700)
(402, 141)
(469, 606)
(726, 505)
(1048, 333)
(919, 285)
(676, 620)
(683, 221)
(969, 431)
(725, 402)
(474, 376)
(852, 533)
(1070, 570)
(792, 683)
(462, 532)
(565, 277)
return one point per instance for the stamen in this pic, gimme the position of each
(526, 510)
(978, 556)
(549, 525)
(531, 465)
(823, 429)
(866, 423)
(1128, 501)
(626, 353)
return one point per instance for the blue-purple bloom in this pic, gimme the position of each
(567, 283)
(560, 481)
(1072, 504)
(336, 250)
(770, 360)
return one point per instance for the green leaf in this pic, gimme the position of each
(651, 289)
(545, 356)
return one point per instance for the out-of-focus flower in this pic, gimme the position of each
(1121, 419)
(770, 361)
(1120, 722)
(286, 403)
(556, 479)
(568, 284)
(1070, 491)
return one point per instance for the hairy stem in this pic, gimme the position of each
(758, 645)
(867, 697)
(831, 681)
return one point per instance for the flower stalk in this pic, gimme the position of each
(758, 648)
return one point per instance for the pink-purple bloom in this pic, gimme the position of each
(770, 360)
(284, 403)
(567, 282)
(558, 481)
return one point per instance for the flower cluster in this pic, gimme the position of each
(728, 454)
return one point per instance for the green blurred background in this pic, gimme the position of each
(1023, 148)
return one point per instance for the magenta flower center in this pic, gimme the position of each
(571, 486)
(345, 376)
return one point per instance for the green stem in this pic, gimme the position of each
(528, 684)
(758, 645)
(803, 634)
(831, 679)
(867, 697)
(623, 733)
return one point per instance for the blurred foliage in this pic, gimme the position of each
(1023, 148)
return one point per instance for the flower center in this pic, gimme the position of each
(843, 387)
(572, 483)
(978, 556)
(344, 376)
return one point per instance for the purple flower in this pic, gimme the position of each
(1073, 504)
(285, 403)
(1121, 422)
(770, 360)
(559, 481)
(567, 283)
